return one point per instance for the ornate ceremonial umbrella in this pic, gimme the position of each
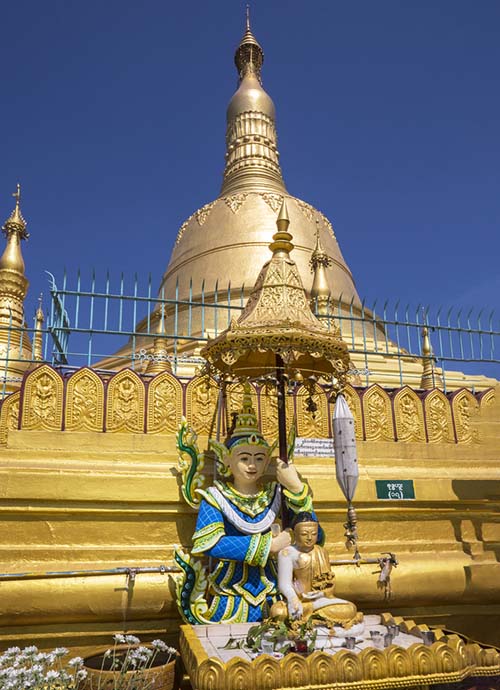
(277, 337)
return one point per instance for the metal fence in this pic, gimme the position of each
(110, 324)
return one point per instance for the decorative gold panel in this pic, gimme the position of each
(438, 418)
(211, 675)
(373, 662)
(202, 395)
(235, 201)
(354, 402)
(42, 400)
(295, 673)
(274, 201)
(348, 667)
(9, 416)
(84, 410)
(487, 398)
(125, 402)
(321, 669)
(269, 413)
(240, 675)
(409, 416)
(267, 670)
(377, 414)
(398, 662)
(464, 407)
(164, 412)
(308, 425)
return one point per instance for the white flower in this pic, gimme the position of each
(29, 652)
(52, 675)
(132, 639)
(107, 653)
(140, 655)
(76, 661)
(37, 668)
(12, 651)
(60, 651)
(120, 639)
(160, 645)
(81, 674)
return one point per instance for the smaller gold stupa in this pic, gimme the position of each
(15, 346)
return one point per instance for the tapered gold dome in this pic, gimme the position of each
(227, 239)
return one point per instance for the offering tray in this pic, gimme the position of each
(412, 660)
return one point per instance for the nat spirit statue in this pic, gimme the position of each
(306, 581)
(236, 530)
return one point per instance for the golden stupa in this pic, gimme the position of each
(228, 238)
(90, 492)
(224, 243)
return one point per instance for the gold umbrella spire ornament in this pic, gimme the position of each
(277, 336)
(277, 320)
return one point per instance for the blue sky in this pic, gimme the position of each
(113, 119)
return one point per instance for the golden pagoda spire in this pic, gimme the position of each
(38, 335)
(319, 262)
(13, 282)
(252, 158)
(159, 362)
(430, 378)
(15, 345)
(15, 231)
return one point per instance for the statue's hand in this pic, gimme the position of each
(295, 609)
(287, 476)
(280, 542)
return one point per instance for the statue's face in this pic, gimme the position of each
(306, 535)
(247, 464)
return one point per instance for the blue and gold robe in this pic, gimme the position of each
(235, 530)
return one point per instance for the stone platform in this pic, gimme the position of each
(412, 660)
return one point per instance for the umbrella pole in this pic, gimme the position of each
(282, 439)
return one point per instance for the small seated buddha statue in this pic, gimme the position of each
(306, 581)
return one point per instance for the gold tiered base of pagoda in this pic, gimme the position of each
(406, 663)
(81, 498)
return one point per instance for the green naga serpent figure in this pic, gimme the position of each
(235, 517)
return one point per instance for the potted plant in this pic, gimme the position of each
(130, 665)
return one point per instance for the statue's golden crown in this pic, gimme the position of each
(245, 429)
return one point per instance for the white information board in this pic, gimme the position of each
(314, 447)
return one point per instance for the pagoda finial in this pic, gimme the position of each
(319, 262)
(14, 229)
(38, 335)
(252, 157)
(430, 377)
(281, 243)
(158, 362)
(249, 55)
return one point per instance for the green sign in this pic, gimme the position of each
(395, 489)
